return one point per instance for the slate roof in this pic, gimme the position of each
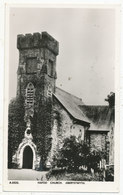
(71, 103)
(99, 117)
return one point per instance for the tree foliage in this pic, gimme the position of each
(111, 99)
(43, 131)
(16, 126)
(40, 128)
(74, 154)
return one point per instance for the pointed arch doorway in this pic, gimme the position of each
(27, 158)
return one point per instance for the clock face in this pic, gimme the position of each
(49, 90)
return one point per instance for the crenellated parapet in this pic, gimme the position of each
(38, 40)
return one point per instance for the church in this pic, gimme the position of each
(43, 115)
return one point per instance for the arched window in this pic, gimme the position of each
(51, 68)
(30, 93)
(49, 91)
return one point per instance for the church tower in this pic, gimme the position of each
(36, 77)
(37, 62)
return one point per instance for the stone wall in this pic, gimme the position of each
(97, 140)
(37, 66)
(111, 145)
(38, 40)
(63, 127)
(78, 131)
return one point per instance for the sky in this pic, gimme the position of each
(86, 60)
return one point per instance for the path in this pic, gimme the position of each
(26, 174)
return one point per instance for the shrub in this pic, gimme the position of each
(110, 173)
(74, 155)
(94, 158)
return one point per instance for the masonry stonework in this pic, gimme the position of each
(45, 121)
(98, 140)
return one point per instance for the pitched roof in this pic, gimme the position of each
(99, 117)
(71, 104)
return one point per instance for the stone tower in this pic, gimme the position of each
(37, 62)
(36, 78)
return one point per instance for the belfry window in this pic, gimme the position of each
(49, 91)
(51, 68)
(30, 93)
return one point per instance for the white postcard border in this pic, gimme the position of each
(50, 187)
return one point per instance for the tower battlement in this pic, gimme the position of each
(37, 40)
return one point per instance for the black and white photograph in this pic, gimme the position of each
(62, 95)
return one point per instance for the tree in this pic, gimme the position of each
(111, 99)
(74, 154)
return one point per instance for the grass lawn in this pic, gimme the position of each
(65, 176)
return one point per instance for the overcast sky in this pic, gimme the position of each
(85, 64)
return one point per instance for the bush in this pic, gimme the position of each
(110, 173)
(74, 155)
(94, 158)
